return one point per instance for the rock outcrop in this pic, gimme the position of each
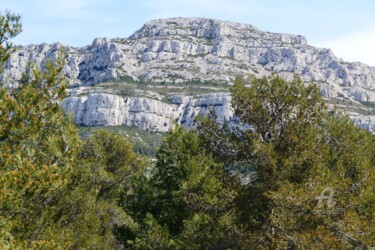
(178, 50)
(182, 49)
(101, 109)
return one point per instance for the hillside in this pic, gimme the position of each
(173, 69)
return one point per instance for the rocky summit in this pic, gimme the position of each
(175, 68)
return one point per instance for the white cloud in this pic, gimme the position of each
(358, 46)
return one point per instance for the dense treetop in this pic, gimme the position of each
(291, 174)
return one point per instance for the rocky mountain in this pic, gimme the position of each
(144, 80)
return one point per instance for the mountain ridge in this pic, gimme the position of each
(200, 50)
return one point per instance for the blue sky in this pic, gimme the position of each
(345, 26)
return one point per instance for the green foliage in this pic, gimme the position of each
(88, 208)
(184, 186)
(294, 149)
(145, 143)
(107, 152)
(37, 148)
(10, 26)
(369, 104)
(54, 192)
(275, 109)
(151, 235)
(297, 149)
(57, 192)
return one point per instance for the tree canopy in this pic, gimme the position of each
(290, 173)
(56, 191)
(297, 149)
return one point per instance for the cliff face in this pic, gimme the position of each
(183, 49)
(101, 109)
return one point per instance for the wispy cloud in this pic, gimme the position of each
(357, 46)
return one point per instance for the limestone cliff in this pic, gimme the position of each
(100, 109)
(178, 50)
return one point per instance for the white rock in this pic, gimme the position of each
(359, 94)
(163, 43)
(364, 122)
(327, 91)
(113, 110)
(100, 109)
(189, 48)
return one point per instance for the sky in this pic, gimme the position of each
(345, 26)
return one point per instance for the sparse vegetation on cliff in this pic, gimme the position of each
(289, 174)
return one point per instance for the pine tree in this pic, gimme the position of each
(300, 153)
(89, 211)
(38, 145)
(185, 199)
